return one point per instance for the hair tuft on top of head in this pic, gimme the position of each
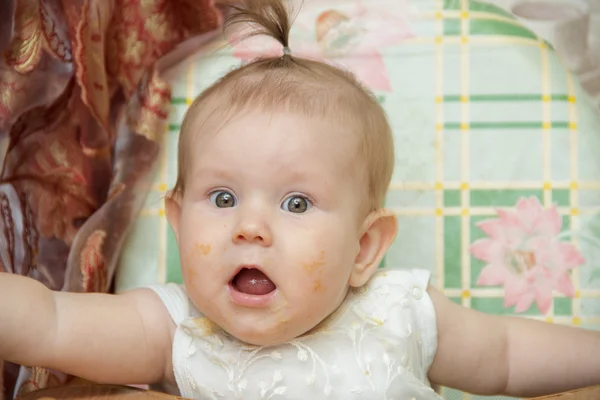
(261, 17)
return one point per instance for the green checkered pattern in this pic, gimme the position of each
(483, 114)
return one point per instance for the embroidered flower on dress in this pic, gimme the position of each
(302, 355)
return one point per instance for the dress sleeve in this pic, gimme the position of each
(175, 300)
(425, 314)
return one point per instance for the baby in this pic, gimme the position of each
(283, 169)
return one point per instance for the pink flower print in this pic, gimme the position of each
(351, 38)
(523, 253)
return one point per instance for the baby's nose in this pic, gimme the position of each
(253, 231)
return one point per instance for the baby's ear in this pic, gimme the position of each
(173, 211)
(378, 233)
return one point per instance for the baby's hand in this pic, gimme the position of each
(103, 338)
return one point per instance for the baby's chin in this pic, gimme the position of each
(280, 325)
(273, 333)
(272, 325)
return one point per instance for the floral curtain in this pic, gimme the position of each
(82, 109)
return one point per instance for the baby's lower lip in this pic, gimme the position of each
(250, 300)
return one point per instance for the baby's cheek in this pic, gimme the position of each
(318, 286)
(198, 265)
(313, 266)
(190, 278)
(198, 254)
(192, 272)
(202, 249)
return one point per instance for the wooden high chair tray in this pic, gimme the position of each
(113, 392)
(96, 392)
(591, 393)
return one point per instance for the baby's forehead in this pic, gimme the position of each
(284, 145)
(276, 134)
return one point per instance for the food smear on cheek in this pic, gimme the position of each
(203, 249)
(317, 286)
(312, 267)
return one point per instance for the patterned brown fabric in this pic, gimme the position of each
(82, 105)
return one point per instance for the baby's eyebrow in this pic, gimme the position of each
(295, 174)
(215, 173)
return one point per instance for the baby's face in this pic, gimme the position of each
(270, 224)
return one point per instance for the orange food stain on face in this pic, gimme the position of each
(280, 306)
(282, 322)
(204, 249)
(189, 277)
(191, 272)
(317, 286)
(313, 266)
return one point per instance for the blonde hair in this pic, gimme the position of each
(295, 84)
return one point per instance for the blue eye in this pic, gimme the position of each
(296, 204)
(223, 199)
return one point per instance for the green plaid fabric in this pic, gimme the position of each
(483, 114)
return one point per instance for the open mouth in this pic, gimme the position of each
(252, 281)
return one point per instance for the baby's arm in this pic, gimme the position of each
(103, 338)
(486, 354)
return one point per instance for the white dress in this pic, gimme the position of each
(378, 345)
